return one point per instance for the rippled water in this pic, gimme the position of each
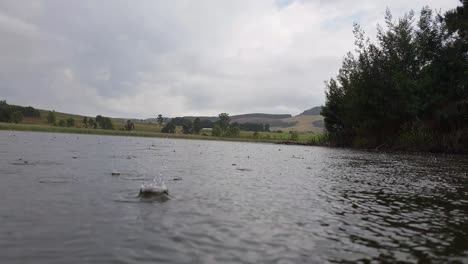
(230, 202)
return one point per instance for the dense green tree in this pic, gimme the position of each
(187, 128)
(129, 125)
(70, 122)
(51, 117)
(217, 131)
(160, 119)
(17, 117)
(92, 123)
(412, 80)
(233, 130)
(6, 111)
(85, 121)
(224, 121)
(197, 126)
(104, 122)
(62, 123)
(169, 128)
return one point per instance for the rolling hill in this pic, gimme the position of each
(308, 121)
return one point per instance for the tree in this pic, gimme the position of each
(107, 123)
(224, 121)
(196, 126)
(129, 126)
(92, 123)
(16, 117)
(160, 119)
(216, 131)
(169, 128)
(99, 119)
(410, 84)
(62, 123)
(233, 130)
(51, 117)
(85, 121)
(104, 122)
(70, 122)
(186, 129)
(267, 128)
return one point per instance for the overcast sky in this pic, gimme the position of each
(141, 58)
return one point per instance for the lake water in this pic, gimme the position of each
(234, 202)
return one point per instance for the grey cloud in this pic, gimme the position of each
(139, 58)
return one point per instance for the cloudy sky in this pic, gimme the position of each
(126, 58)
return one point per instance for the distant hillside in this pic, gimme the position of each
(313, 111)
(308, 121)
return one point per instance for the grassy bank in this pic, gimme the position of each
(245, 135)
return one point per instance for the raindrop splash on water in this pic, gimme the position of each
(154, 188)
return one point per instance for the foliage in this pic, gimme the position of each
(70, 122)
(62, 123)
(223, 127)
(415, 73)
(51, 117)
(187, 128)
(160, 119)
(293, 136)
(129, 125)
(223, 122)
(92, 123)
(197, 126)
(16, 117)
(11, 113)
(217, 131)
(169, 128)
(104, 122)
(256, 135)
(233, 130)
(85, 121)
(319, 139)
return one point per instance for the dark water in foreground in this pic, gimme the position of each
(277, 204)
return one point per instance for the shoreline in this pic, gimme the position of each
(91, 131)
(103, 132)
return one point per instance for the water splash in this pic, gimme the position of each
(153, 188)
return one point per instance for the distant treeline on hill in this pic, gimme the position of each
(14, 113)
(408, 90)
(183, 121)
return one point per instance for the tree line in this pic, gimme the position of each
(98, 122)
(407, 89)
(187, 123)
(221, 128)
(15, 113)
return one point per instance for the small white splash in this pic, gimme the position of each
(155, 187)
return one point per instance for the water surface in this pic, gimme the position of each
(231, 203)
